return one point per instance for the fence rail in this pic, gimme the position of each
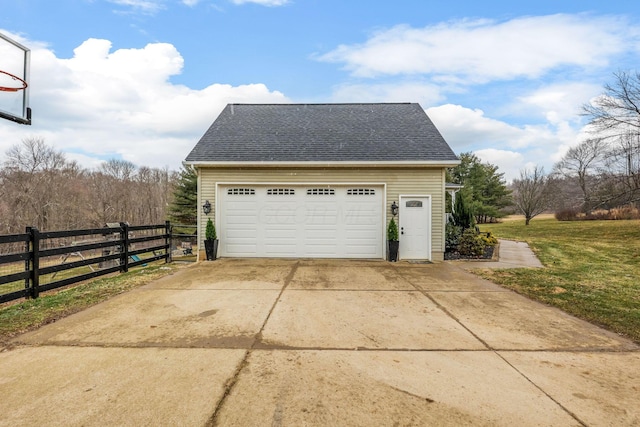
(115, 248)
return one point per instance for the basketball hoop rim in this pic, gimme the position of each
(13, 89)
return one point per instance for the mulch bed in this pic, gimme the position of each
(455, 255)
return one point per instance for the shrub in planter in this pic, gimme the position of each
(211, 241)
(392, 240)
(471, 243)
(210, 231)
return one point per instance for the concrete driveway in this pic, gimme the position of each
(308, 342)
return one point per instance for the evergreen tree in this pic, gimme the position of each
(462, 214)
(184, 207)
(484, 188)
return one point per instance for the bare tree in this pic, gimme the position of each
(615, 118)
(39, 187)
(617, 110)
(33, 155)
(153, 188)
(33, 183)
(622, 170)
(121, 196)
(581, 163)
(531, 193)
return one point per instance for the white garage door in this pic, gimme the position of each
(292, 221)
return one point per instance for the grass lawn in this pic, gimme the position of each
(592, 269)
(16, 318)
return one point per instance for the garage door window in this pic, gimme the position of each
(321, 192)
(281, 192)
(361, 192)
(241, 192)
(414, 204)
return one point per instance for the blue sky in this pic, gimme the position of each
(142, 80)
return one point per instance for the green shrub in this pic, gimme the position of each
(471, 243)
(392, 230)
(462, 214)
(210, 232)
(452, 236)
(489, 239)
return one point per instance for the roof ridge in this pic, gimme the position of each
(324, 103)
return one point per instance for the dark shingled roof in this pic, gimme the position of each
(322, 132)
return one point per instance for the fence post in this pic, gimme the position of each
(34, 256)
(167, 241)
(27, 262)
(124, 252)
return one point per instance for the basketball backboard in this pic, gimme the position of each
(14, 81)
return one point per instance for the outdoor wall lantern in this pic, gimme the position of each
(206, 208)
(394, 209)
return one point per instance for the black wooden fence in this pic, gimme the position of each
(114, 248)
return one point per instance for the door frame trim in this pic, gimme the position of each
(429, 222)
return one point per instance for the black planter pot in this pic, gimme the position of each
(211, 249)
(393, 250)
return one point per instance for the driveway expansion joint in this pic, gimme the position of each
(543, 391)
(442, 308)
(213, 420)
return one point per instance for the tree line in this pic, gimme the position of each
(40, 187)
(600, 173)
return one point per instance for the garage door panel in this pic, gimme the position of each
(278, 213)
(362, 241)
(321, 233)
(360, 209)
(282, 233)
(322, 252)
(241, 233)
(353, 251)
(320, 215)
(234, 249)
(288, 251)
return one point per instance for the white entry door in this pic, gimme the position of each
(415, 227)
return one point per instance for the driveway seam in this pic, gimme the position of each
(442, 308)
(230, 384)
(489, 348)
(574, 416)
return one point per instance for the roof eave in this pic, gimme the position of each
(326, 164)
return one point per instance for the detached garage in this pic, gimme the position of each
(318, 180)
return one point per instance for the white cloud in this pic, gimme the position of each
(425, 94)
(102, 103)
(558, 102)
(464, 128)
(144, 6)
(477, 51)
(262, 2)
(508, 162)
(509, 147)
